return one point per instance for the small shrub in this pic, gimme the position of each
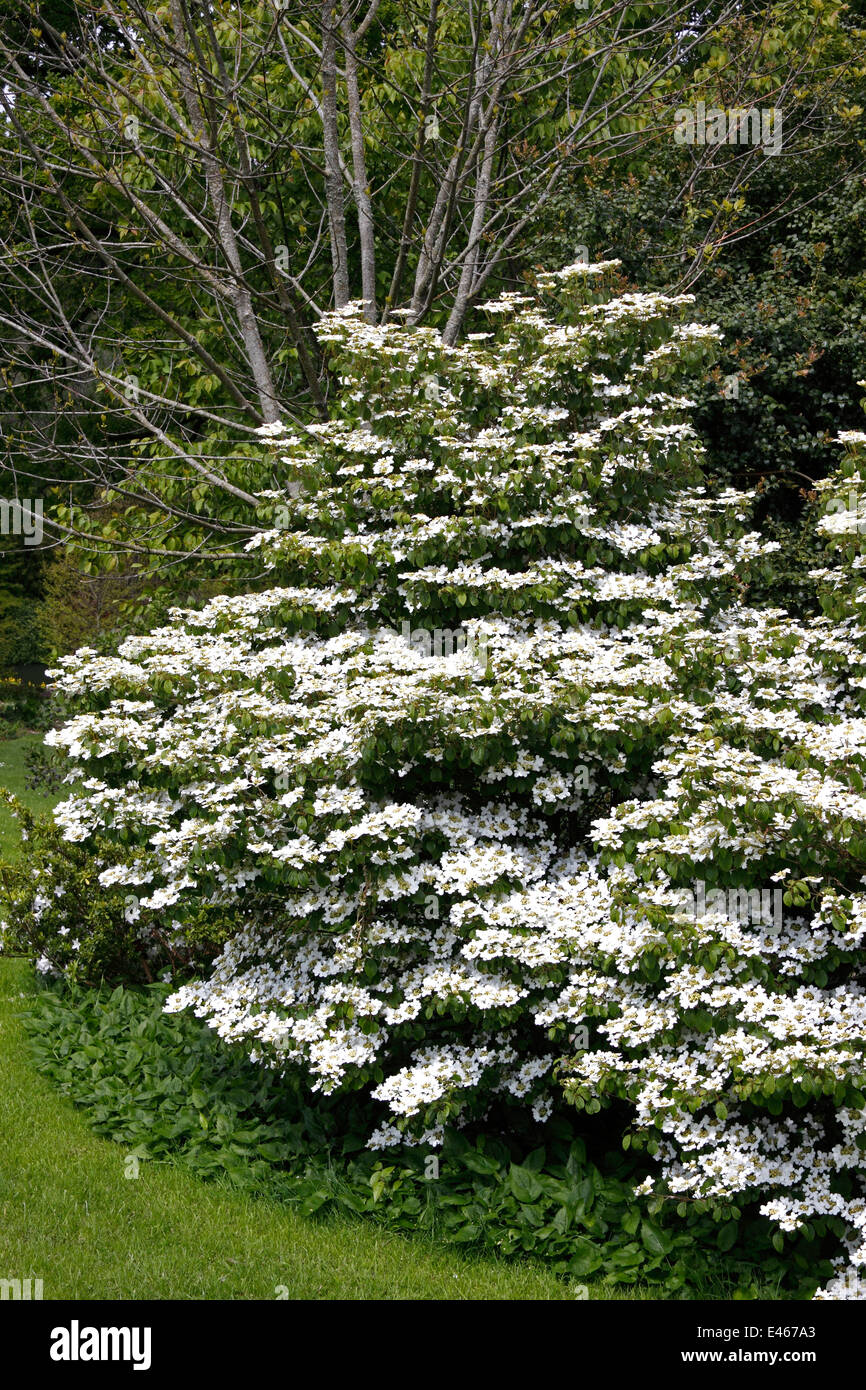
(57, 912)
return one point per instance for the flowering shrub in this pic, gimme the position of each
(60, 913)
(478, 777)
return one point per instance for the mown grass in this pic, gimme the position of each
(13, 771)
(69, 1216)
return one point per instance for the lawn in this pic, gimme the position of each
(13, 753)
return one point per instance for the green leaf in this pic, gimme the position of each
(585, 1259)
(524, 1184)
(658, 1242)
(727, 1236)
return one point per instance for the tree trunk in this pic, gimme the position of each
(363, 202)
(331, 142)
(242, 300)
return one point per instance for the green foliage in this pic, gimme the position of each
(20, 635)
(630, 190)
(76, 608)
(22, 704)
(775, 254)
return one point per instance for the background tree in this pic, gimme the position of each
(775, 251)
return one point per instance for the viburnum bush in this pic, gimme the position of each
(508, 789)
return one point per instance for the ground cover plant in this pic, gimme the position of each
(506, 791)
